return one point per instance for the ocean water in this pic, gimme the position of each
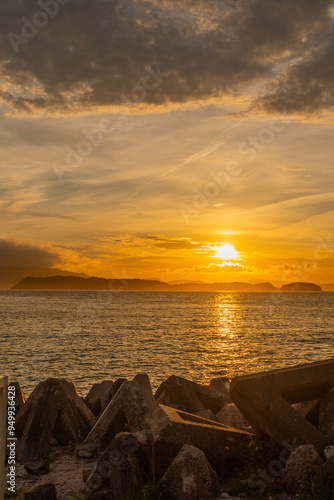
(87, 337)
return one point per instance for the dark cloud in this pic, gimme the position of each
(14, 254)
(307, 87)
(92, 52)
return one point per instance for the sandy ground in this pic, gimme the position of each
(65, 473)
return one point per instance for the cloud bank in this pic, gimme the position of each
(82, 56)
(17, 254)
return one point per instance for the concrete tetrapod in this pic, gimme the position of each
(129, 405)
(53, 410)
(265, 400)
(168, 429)
(192, 397)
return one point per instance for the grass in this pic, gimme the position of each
(254, 476)
(318, 487)
(18, 493)
(142, 488)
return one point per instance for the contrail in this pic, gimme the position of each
(196, 156)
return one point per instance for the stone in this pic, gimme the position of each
(38, 468)
(119, 464)
(101, 495)
(208, 414)
(329, 452)
(265, 400)
(20, 398)
(190, 476)
(53, 410)
(326, 415)
(303, 461)
(99, 396)
(327, 469)
(231, 416)
(168, 429)
(86, 450)
(128, 406)
(42, 492)
(188, 396)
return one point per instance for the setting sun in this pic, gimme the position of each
(226, 252)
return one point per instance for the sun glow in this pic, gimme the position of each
(226, 252)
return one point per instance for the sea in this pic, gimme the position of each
(87, 337)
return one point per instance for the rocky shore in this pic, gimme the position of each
(268, 435)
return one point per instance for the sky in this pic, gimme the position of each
(139, 136)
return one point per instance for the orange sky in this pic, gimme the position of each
(138, 137)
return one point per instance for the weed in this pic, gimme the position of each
(318, 487)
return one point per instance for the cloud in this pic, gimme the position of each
(230, 267)
(306, 87)
(291, 169)
(151, 242)
(287, 212)
(94, 55)
(16, 254)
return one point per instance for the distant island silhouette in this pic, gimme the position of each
(301, 287)
(93, 283)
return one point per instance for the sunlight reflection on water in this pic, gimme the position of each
(90, 336)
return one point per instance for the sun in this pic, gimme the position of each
(226, 252)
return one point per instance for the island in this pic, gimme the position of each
(99, 284)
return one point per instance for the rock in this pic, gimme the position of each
(101, 495)
(53, 410)
(226, 495)
(231, 416)
(303, 461)
(42, 492)
(327, 469)
(128, 406)
(190, 476)
(99, 396)
(20, 398)
(120, 463)
(169, 429)
(191, 397)
(86, 450)
(329, 452)
(326, 415)
(265, 400)
(208, 414)
(38, 468)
